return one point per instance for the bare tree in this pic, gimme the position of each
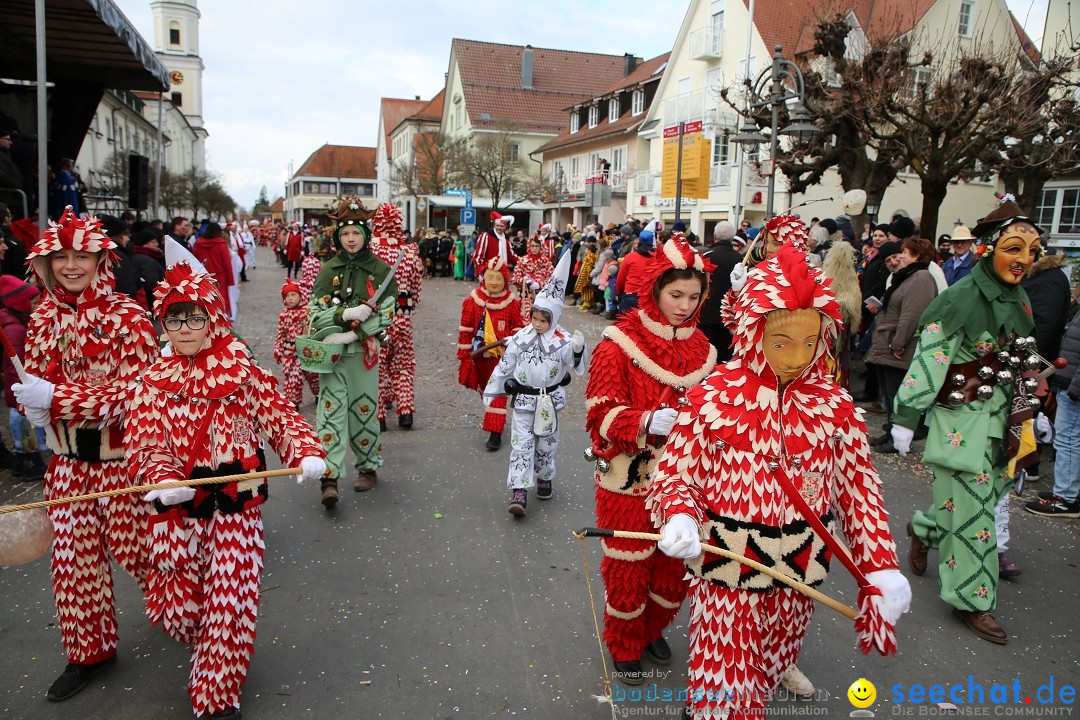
(490, 163)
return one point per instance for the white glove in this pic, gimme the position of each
(35, 392)
(895, 591)
(738, 277)
(341, 338)
(901, 439)
(313, 468)
(1044, 430)
(680, 537)
(662, 421)
(578, 341)
(359, 313)
(170, 496)
(39, 417)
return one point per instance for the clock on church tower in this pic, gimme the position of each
(176, 77)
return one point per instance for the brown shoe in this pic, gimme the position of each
(365, 481)
(917, 553)
(983, 624)
(329, 494)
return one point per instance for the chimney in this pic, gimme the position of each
(416, 96)
(527, 67)
(630, 63)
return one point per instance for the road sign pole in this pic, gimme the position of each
(678, 176)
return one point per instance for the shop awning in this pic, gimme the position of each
(88, 41)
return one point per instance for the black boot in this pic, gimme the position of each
(659, 651)
(628, 673)
(28, 467)
(7, 458)
(74, 678)
(494, 441)
(405, 421)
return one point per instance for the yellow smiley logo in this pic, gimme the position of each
(862, 693)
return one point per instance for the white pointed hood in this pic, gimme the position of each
(176, 253)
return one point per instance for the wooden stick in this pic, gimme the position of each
(478, 352)
(156, 486)
(775, 574)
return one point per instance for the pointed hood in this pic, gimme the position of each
(784, 281)
(187, 281)
(71, 232)
(387, 223)
(550, 299)
(676, 254)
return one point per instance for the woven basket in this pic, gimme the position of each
(315, 355)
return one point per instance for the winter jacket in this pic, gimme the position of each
(898, 324)
(1067, 378)
(150, 265)
(215, 255)
(725, 258)
(1048, 289)
(631, 270)
(15, 329)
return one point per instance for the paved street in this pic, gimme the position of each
(425, 599)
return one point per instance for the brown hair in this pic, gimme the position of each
(921, 248)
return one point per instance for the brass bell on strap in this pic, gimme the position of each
(985, 373)
(603, 466)
(955, 398)
(957, 379)
(1032, 363)
(1036, 403)
(984, 392)
(1004, 377)
(590, 454)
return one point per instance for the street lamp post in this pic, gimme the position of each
(785, 84)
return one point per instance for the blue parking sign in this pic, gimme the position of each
(468, 216)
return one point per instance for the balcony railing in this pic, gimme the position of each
(644, 182)
(705, 43)
(720, 175)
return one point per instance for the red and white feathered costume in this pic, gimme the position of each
(504, 312)
(530, 270)
(643, 364)
(492, 244)
(94, 347)
(309, 270)
(397, 357)
(293, 322)
(738, 431)
(202, 416)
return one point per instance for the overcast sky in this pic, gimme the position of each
(284, 77)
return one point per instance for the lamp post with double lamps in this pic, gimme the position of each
(776, 86)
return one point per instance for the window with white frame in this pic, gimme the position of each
(575, 171)
(594, 115)
(618, 159)
(717, 28)
(575, 121)
(921, 78)
(967, 16)
(720, 150)
(513, 151)
(638, 103)
(613, 108)
(558, 173)
(1058, 210)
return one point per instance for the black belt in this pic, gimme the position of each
(513, 387)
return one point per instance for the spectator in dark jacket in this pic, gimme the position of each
(17, 300)
(127, 277)
(1064, 499)
(725, 257)
(1047, 287)
(149, 262)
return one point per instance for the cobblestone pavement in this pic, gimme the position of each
(425, 599)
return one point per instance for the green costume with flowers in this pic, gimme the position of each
(348, 394)
(977, 316)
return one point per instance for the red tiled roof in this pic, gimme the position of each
(1025, 42)
(346, 161)
(433, 110)
(278, 205)
(645, 72)
(393, 111)
(490, 76)
(791, 23)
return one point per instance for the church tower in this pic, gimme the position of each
(176, 43)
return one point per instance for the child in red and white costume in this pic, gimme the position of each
(397, 356)
(293, 322)
(199, 413)
(639, 374)
(772, 410)
(531, 273)
(490, 313)
(86, 346)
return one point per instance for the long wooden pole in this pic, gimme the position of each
(146, 488)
